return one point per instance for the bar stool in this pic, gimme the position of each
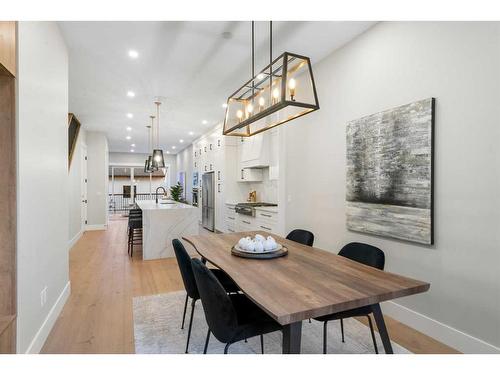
(134, 229)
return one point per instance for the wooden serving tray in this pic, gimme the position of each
(279, 252)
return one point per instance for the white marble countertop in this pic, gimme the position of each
(172, 205)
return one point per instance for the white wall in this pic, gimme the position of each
(390, 65)
(42, 211)
(75, 190)
(97, 176)
(185, 164)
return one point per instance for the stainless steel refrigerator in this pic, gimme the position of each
(208, 201)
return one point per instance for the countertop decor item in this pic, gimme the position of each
(258, 247)
(390, 172)
(282, 91)
(279, 252)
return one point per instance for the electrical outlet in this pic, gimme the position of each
(43, 297)
(289, 198)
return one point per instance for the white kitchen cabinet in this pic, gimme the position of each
(246, 223)
(274, 154)
(250, 175)
(254, 151)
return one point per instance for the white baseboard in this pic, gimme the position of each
(96, 227)
(450, 336)
(75, 239)
(42, 334)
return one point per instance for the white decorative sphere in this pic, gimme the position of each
(250, 246)
(260, 238)
(259, 247)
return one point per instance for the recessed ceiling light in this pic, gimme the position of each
(128, 137)
(129, 129)
(130, 115)
(181, 140)
(133, 54)
(130, 94)
(191, 133)
(132, 145)
(168, 152)
(132, 150)
(204, 122)
(173, 147)
(224, 105)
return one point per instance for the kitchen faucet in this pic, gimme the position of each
(164, 192)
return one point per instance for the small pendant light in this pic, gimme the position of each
(158, 161)
(148, 168)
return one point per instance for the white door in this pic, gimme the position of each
(84, 186)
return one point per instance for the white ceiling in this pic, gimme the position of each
(191, 65)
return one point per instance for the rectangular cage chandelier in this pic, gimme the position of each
(282, 91)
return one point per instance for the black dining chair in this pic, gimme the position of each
(184, 262)
(301, 236)
(230, 317)
(370, 256)
(134, 229)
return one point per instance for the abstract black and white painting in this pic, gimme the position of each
(389, 173)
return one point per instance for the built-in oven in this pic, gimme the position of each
(249, 208)
(195, 197)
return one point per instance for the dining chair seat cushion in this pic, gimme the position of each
(359, 311)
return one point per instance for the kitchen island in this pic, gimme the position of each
(162, 222)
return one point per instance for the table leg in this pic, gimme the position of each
(382, 329)
(292, 334)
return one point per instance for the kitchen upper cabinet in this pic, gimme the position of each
(254, 151)
(274, 154)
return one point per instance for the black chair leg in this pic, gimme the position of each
(342, 328)
(262, 343)
(325, 336)
(190, 324)
(246, 340)
(206, 342)
(184, 315)
(226, 347)
(373, 334)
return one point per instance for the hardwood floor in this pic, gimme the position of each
(98, 315)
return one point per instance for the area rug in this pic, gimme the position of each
(157, 329)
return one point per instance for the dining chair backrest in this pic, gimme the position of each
(219, 310)
(184, 262)
(364, 253)
(301, 236)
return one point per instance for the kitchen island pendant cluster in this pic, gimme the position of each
(282, 91)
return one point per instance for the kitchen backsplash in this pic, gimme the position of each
(267, 190)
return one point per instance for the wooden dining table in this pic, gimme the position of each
(306, 283)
